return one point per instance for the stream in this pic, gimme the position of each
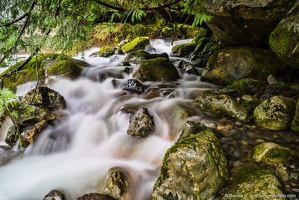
(74, 154)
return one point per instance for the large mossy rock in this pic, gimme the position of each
(284, 39)
(136, 44)
(232, 63)
(136, 57)
(244, 86)
(193, 168)
(221, 105)
(275, 113)
(106, 51)
(183, 50)
(252, 182)
(156, 69)
(269, 152)
(46, 65)
(245, 22)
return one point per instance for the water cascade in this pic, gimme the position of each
(75, 153)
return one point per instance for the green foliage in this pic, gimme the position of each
(6, 96)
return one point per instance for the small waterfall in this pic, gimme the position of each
(74, 154)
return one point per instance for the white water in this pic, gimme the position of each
(75, 154)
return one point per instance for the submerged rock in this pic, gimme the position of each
(275, 113)
(156, 69)
(193, 168)
(253, 182)
(141, 124)
(232, 63)
(271, 153)
(221, 105)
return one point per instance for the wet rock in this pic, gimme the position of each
(221, 105)
(141, 124)
(244, 22)
(193, 168)
(106, 51)
(156, 69)
(133, 86)
(295, 121)
(188, 67)
(7, 154)
(183, 50)
(202, 33)
(137, 56)
(206, 47)
(250, 102)
(54, 195)
(32, 132)
(253, 182)
(233, 63)
(275, 113)
(244, 86)
(44, 97)
(136, 44)
(118, 183)
(271, 153)
(95, 196)
(284, 38)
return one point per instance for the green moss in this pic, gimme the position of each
(202, 33)
(183, 50)
(136, 44)
(106, 51)
(271, 153)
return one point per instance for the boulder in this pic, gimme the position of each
(183, 50)
(269, 152)
(284, 39)
(275, 113)
(253, 182)
(118, 184)
(133, 86)
(221, 105)
(54, 195)
(195, 167)
(141, 124)
(95, 196)
(136, 44)
(106, 51)
(232, 63)
(44, 97)
(137, 56)
(244, 86)
(156, 69)
(245, 22)
(188, 68)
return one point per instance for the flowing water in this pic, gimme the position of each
(74, 154)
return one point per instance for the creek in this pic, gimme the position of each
(75, 154)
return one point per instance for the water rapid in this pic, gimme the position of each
(75, 153)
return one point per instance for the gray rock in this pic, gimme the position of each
(133, 86)
(54, 195)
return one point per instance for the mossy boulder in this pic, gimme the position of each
(106, 51)
(269, 152)
(183, 50)
(141, 123)
(252, 182)
(46, 65)
(275, 113)
(156, 69)
(136, 57)
(295, 121)
(233, 63)
(202, 33)
(221, 105)
(136, 44)
(118, 184)
(284, 39)
(245, 22)
(95, 196)
(195, 167)
(244, 86)
(54, 195)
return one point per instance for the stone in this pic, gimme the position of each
(195, 167)
(141, 123)
(136, 57)
(54, 195)
(95, 196)
(7, 154)
(183, 50)
(136, 44)
(106, 51)
(295, 121)
(233, 63)
(245, 22)
(244, 86)
(44, 97)
(133, 86)
(221, 105)
(156, 69)
(275, 113)
(253, 182)
(269, 152)
(188, 68)
(284, 39)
